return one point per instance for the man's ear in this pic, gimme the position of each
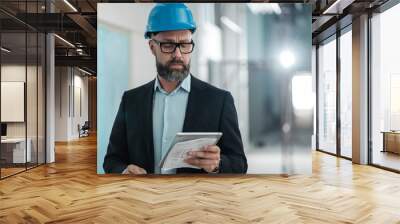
(151, 45)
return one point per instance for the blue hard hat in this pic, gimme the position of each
(169, 16)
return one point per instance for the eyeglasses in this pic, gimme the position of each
(170, 47)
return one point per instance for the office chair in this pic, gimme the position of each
(84, 130)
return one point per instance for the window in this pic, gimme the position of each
(385, 88)
(327, 96)
(346, 94)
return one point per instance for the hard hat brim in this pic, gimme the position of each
(148, 33)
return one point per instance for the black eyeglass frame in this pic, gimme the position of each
(160, 43)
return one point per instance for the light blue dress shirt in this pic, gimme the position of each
(169, 111)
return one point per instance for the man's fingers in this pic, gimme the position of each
(211, 148)
(133, 169)
(143, 171)
(202, 162)
(206, 158)
(137, 171)
(203, 155)
(207, 165)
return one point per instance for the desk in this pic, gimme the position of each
(391, 141)
(13, 150)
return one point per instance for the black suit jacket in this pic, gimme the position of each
(209, 109)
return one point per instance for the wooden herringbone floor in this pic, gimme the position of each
(70, 191)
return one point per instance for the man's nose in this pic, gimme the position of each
(177, 53)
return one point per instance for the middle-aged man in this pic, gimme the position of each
(149, 116)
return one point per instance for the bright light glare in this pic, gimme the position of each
(265, 8)
(287, 58)
(302, 95)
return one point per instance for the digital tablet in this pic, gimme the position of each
(185, 142)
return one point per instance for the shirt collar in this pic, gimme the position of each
(185, 84)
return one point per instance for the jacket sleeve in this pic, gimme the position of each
(233, 159)
(115, 160)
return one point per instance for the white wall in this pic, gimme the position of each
(14, 73)
(17, 73)
(33, 126)
(68, 82)
(80, 83)
(61, 103)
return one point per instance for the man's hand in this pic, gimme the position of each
(206, 158)
(133, 169)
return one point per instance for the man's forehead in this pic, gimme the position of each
(176, 34)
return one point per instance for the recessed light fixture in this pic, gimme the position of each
(5, 50)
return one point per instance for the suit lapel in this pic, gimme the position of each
(191, 108)
(148, 125)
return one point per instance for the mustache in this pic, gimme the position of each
(176, 62)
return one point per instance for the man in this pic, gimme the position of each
(149, 116)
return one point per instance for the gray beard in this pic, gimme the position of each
(172, 74)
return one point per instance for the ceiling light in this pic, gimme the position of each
(70, 5)
(84, 71)
(64, 40)
(5, 50)
(338, 6)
